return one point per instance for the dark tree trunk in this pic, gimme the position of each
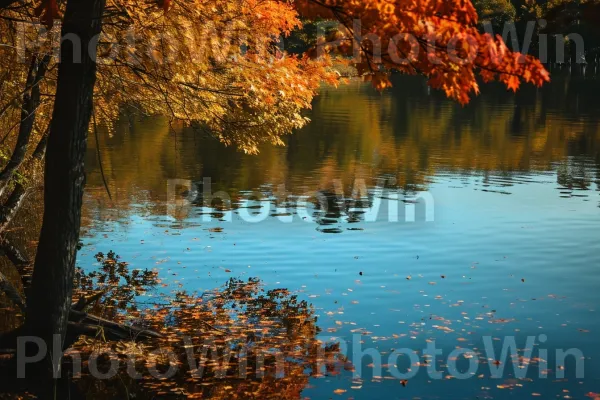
(49, 300)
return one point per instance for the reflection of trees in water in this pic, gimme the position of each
(23, 234)
(251, 342)
(329, 208)
(265, 343)
(408, 132)
(576, 176)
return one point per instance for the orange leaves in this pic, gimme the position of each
(512, 82)
(379, 80)
(438, 39)
(47, 11)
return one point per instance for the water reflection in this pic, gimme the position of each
(511, 252)
(408, 136)
(235, 341)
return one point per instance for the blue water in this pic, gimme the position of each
(512, 251)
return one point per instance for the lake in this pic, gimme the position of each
(405, 219)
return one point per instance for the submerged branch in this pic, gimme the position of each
(84, 324)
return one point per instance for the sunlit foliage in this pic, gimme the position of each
(497, 12)
(218, 66)
(438, 39)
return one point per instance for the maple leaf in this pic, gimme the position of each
(513, 83)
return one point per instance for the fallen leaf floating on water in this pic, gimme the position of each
(403, 382)
(339, 391)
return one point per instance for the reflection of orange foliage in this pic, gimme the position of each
(247, 341)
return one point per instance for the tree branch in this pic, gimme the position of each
(11, 292)
(82, 323)
(83, 302)
(13, 254)
(12, 205)
(30, 103)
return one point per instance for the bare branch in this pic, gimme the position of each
(12, 205)
(11, 292)
(83, 302)
(112, 330)
(13, 254)
(31, 101)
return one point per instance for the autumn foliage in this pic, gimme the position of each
(438, 39)
(218, 66)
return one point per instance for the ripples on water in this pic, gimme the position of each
(513, 248)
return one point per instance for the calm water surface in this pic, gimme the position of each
(512, 251)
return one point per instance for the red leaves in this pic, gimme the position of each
(48, 11)
(438, 39)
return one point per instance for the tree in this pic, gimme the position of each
(438, 39)
(497, 12)
(48, 310)
(239, 86)
(567, 17)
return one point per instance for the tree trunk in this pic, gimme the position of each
(52, 282)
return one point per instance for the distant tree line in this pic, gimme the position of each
(553, 24)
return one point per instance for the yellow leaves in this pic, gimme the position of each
(226, 75)
(217, 65)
